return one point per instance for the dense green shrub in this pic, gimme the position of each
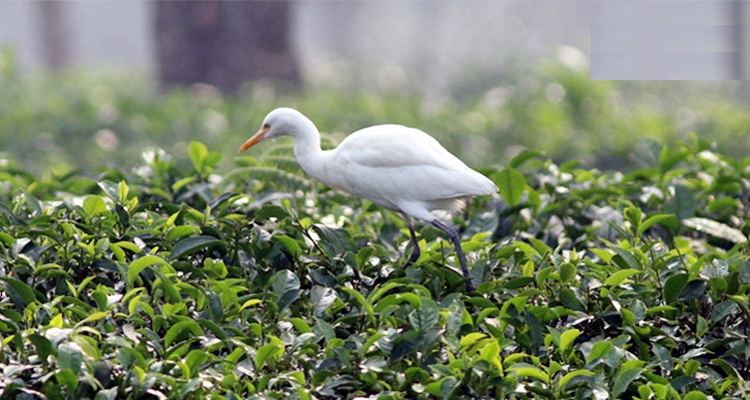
(81, 119)
(187, 274)
(181, 282)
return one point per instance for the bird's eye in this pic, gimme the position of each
(266, 127)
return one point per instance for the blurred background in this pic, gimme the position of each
(86, 83)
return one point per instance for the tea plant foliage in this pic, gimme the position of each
(84, 118)
(185, 283)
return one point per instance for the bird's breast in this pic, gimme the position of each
(321, 167)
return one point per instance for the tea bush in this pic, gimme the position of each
(185, 281)
(82, 119)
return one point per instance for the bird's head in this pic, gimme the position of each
(279, 122)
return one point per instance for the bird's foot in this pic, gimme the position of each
(413, 258)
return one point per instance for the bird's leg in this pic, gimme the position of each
(457, 244)
(415, 253)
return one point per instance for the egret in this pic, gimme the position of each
(399, 168)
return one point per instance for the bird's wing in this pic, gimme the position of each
(393, 163)
(386, 146)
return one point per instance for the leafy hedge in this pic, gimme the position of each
(83, 119)
(258, 283)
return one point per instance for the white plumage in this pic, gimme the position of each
(402, 169)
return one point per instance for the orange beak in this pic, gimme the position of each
(255, 139)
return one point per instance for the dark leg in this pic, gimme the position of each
(457, 244)
(415, 245)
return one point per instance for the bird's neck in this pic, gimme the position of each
(307, 139)
(307, 147)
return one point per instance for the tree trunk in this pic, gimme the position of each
(54, 34)
(224, 43)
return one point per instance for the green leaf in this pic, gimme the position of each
(528, 250)
(722, 204)
(682, 204)
(20, 293)
(264, 353)
(69, 356)
(570, 375)
(68, 378)
(93, 317)
(728, 369)
(435, 388)
(194, 360)
(567, 271)
(569, 300)
(177, 329)
(599, 350)
(673, 286)
(171, 293)
(627, 257)
(519, 282)
(426, 317)
(198, 152)
(139, 264)
(633, 215)
(360, 300)
(524, 156)
(512, 184)
(213, 327)
(692, 290)
(270, 211)
(490, 352)
(218, 200)
(701, 326)
(471, 338)
(716, 269)
(298, 377)
(300, 325)
(123, 191)
(107, 394)
(285, 281)
(192, 244)
(33, 203)
(180, 231)
(668, 158)
(212, 159)
(94, 205)
(7, 239)
(250, 303)
(406, 344)
(695, 395)
(379, 291)
(716, 229)
(189, 387)
(620, 276)
(658, 309)
(666, 219)
(111, 189)
(42, 344)
(182, 182)
(128, 246)
(398, 298)
(722, 310)
(447, 387)
(567, 338)
(681, 382)
(535, 328)
(290, 244)
(623, 380)
(529, 371)
(215, 268)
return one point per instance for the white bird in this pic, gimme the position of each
(402, 169)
